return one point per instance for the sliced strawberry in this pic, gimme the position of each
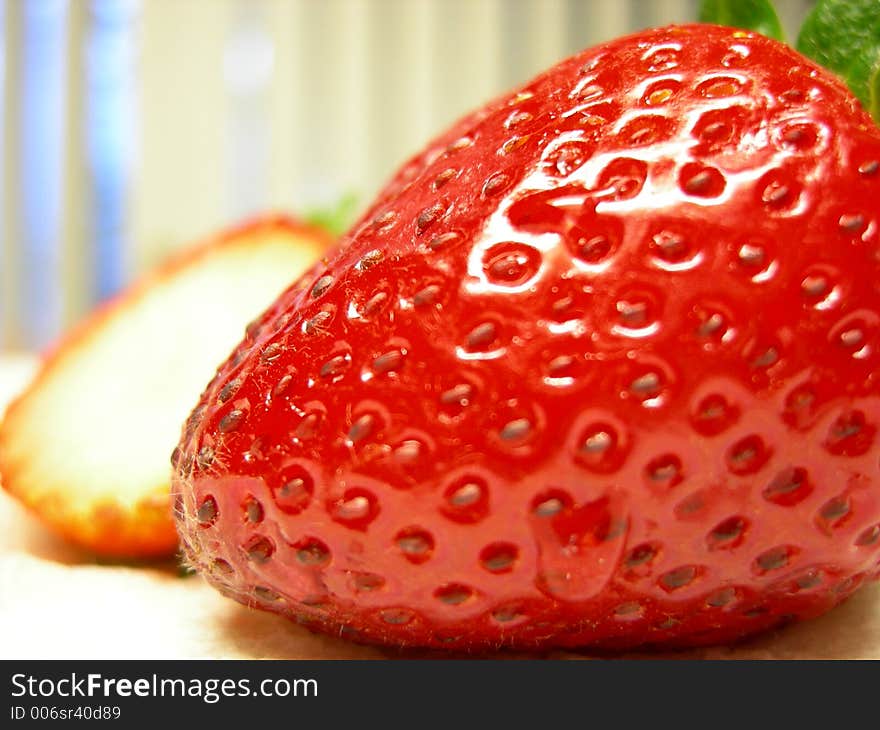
(86, 446)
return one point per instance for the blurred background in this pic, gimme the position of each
(131, 127)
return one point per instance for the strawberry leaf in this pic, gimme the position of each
(336, 218)
(757, 15)
(874, 92)
(844, 36)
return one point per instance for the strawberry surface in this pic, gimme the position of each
(598, 367)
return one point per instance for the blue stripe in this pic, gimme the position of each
(41, 130)
(109, 122)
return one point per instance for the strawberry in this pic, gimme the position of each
(598, 367)
(86, 446)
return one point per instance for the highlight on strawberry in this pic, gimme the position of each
(598, 367)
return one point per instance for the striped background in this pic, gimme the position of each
(132, 126)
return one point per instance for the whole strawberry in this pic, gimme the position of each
(599, 367)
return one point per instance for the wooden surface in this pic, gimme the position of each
(57, 603)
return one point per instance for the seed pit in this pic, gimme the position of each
(428, 217)
(443, 240)
(207, 513)
(647, 385)
(517, 430)
(810, 579)
(266, 594)
(321, 286)
(869, 537)
(397, 616)
(495, 184)
(293, 490)
(361, 428)
(679, 578)
(481, 336)
(778, 192)
(747, 455)
(774, 559)
(427, 296)
(646, 129)
(851, 223)
(701, 181)
(551, 503)
(228, 390)
(722, 598)
(834, 513)
(466, 500)
(311, 552)
(670, 248)
(767, 358)
(511, 264)
(369, 260)
(231, 421)
(444, 177)
(222, 566)
(641, 555)
(788, 487)
(259, 549)
(600, 448)
(335, 368)
(384, 222)
(416, 544)
(458, 397)
(664, 471)
(408, 451)
(623, 178)
(453, 594)
(850, 435)
(814, 286)
(252, 509)
(367, 582)
(205, 457)
(388, 362)
(630, 611)
(499, 557)
(517, 118)
(308, 426)
(565, 158)
(751, 255)
(719, 86)
(356, 509)
(727, 534)
(713, 415)
(507, 614)
(660, 92)
(318, 323)
(374, 304)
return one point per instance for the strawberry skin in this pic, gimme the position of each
(599, 367)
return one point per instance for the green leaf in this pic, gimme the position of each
(874, 94)
(335, 218)
(757, 15)
(844, 36)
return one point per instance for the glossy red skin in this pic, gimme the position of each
(736, 484)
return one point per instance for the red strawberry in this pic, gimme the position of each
(599, 368)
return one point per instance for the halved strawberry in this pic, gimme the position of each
(86, 446)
